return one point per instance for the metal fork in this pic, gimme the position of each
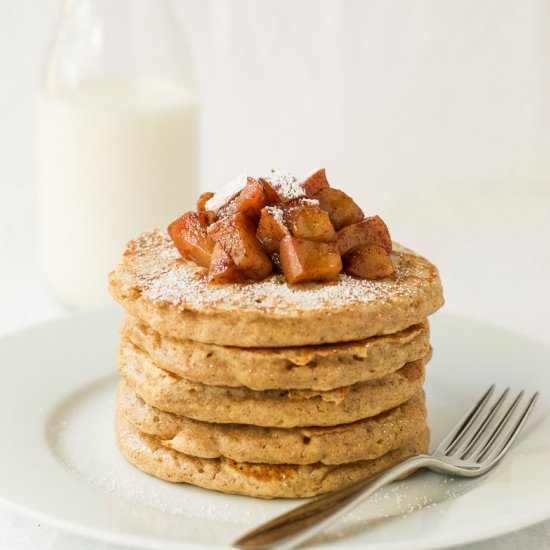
(472, 448)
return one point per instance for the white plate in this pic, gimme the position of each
(59, 462)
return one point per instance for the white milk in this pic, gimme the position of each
(113, 159)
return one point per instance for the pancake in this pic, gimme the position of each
(272, 408)
(260, 480)
(172, 296)
(313, 367)
(362, 440)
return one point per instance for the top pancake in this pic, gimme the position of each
(173, 296)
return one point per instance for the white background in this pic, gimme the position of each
(434, 114)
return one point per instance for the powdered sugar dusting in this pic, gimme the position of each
(310, 202)
(277, 213)
(226, 193)
(286, 185)
(155, 268)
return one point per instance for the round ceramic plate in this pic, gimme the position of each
(59, 462)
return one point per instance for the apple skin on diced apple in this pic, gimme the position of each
(251, 199)
(341, 208)
(311, 223)
(222, 268)
(369, 261)
(304, 260)
(315, 182)
(237, 236)
(189, 233)
(203, 198)
(271, 228)
(371, 230)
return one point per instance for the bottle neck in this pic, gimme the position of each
(130, 40)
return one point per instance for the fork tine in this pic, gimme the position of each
(500, 450)
(463, 426)
(481, 427)
(487, 444)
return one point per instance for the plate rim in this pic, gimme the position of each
(436, 541)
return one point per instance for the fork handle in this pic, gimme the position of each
(302, 523)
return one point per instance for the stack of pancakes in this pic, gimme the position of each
(269, 389)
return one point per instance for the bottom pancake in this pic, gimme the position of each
(260, 480)
(362, 440)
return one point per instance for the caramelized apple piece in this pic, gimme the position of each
(371, 230)
(251, 199)
(227, 193)
(309, 260)
(237, 236)
(189, 233)
(227, 210)
(311, 223)
(369, 261)
(286, 186)
(271, 196)
(340, 207)
(201, 203)
(210, 216)
(315, 182)
(271, 228)
(222, 268)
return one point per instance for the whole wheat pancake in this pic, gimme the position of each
(173, 296)
(363, 440)
(259, 480)
(272, 408)
(313, 367)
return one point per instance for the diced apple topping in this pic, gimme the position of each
(340, 207)
(271, 196)
(285, 185)
(237, 235)
(222, 268)
(251, 199)
(315, 182)
(271, 228)
(310, 222)
(189, 233)
(369, 261)
(304, 260)
(253, 227)
(203, 199)
(371, 230)
(227, 193)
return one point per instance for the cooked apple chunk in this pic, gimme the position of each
(222, 268)
(251, 199)
(310, 222)
(369, 261)
(271, 228)
(204, 197)
(341, 208)
(315, 182)
(189, 233)
(304, 260)
(271, 196)
(237, 236)
(371, 230)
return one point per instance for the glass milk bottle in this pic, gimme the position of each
(117, 139)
